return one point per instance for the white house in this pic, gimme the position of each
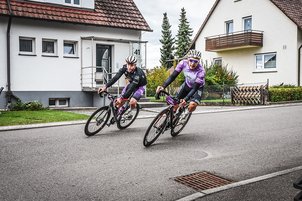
(59, 51)
(259, 39)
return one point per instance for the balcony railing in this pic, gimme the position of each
(235, 40)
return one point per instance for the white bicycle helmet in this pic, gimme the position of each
(194, 54)
(131, 60)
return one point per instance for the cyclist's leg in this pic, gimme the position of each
(136, 96)
(182, 92)
(123, 92)
(195, 100)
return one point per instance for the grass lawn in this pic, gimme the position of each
(9, 118)
(216, 100)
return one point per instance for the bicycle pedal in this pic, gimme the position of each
(112, 120)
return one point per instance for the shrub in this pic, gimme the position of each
(32, 105)
(16, 106)
(220, 75)
(277, 94)
(155, 78)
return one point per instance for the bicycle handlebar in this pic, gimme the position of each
(161, 92)
(103, 92)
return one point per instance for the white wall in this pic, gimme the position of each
(280, 36)
(38, 73)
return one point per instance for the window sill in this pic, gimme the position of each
(44, 55)
(266, 71)
(24, 54)
(72, 57)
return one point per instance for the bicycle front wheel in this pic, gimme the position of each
(156, 127)
(97, 121)
(127, 117)
(180, 121)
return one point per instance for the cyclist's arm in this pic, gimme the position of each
(116, 77)
(171, 78)
(131, 87)
(195, 87)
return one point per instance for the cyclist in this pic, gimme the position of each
(135, 87)
(191, 90)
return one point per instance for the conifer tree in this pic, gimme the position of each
(183, 35)
(167, 42)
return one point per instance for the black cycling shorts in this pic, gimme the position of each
(183, 91)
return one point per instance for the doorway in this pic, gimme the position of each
(103, 59)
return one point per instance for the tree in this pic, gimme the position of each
(167, 42)
(183, 36)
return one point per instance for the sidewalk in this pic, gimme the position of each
(271, 187)
(145, 113)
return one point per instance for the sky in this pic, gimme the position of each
(153, 10)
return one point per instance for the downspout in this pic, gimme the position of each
(9, 92)
(299, 65)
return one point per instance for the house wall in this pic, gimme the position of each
(279, 35)
(39, 77)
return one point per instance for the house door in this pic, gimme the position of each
(103, 59)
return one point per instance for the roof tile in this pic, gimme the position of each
(292, 9)
(106, 13)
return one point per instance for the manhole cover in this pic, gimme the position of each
(202, 181)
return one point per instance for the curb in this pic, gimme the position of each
(238, 184)
(68, 123)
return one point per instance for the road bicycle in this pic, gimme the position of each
(123, 116)
(167, 119)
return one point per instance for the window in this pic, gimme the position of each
(266, 61)
(58, 102)
(49, 47)
(70, 48)
(75, 2)
(247, 23)
(27, 45)
(229, 26)
(217, 61)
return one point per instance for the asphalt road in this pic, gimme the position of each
(61, 163)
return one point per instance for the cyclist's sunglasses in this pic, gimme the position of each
(195, 61)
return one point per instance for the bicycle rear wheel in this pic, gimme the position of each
(97, 121)
(127, 117)
(156, 127)
(180, 121)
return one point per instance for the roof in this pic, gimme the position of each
(292, 9)
(110, 13)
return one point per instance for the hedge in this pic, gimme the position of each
(277, 94)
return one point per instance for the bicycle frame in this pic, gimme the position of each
(172, 102)
(171, 120)
(122, 116)
(115, 111)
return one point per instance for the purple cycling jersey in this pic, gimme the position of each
(191, 75)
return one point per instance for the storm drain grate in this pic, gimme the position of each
(202, 181)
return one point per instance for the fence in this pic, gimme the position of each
(240, 94)
(250, 94)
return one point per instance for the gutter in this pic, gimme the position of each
(299, 65)
(9, 93)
